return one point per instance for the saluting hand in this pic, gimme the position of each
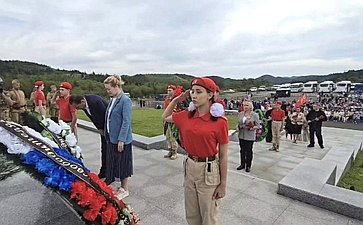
(183, 96)
(120, 146)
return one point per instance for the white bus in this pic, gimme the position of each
(343, 86)
(327, 86)
(310, 87)
(296, 87)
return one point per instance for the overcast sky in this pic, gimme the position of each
(236, 39)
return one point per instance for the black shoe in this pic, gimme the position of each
(101, 175)
(248, 169)
(322, 146)
(240, 167)
(310, 146)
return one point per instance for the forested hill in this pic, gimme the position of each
(352, 75)
(140, 85)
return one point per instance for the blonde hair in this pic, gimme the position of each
(114, 81)
(15, 81)
(250, 105)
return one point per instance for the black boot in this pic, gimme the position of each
(241, 167)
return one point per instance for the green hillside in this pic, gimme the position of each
(140, 85)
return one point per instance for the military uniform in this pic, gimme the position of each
(53, 107)
(4, 108)
(19, 105)
(170, 139)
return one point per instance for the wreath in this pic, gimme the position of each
(63, 171)
(262, 131)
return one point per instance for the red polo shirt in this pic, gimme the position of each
(39, 96)
(200, 135)
(65, 109)
(278, 114)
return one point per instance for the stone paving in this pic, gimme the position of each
(156, 191)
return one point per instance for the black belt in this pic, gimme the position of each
(202, 159)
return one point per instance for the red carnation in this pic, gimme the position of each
(90, 214)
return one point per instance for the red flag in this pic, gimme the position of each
(301, 101)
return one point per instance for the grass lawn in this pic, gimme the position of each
(147, 122)
(354, 176)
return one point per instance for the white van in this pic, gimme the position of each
(274, 87)
(296, 87)
(343, 86)
(310, 87)
(327, 86)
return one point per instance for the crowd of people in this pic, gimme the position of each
(343, 108)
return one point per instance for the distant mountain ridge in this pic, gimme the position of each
(148, 84)
(352, 75)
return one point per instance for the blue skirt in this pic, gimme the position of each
(118, 164)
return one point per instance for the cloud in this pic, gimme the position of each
(226, 38)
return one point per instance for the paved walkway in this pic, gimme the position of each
(156, 191)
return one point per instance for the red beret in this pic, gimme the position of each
(170, 86)
(38, 83)
(66, 85)
(205, 82)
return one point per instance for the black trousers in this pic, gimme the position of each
(103, 155)
(246, 152)
(317, 131)
(269, 132)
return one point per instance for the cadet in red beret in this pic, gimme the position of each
(65, 85)
(204, 136)
(67, 112)
(39, 98)
(278, 121)
(170, 140)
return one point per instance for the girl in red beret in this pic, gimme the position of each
(39, 98)
(204, 136)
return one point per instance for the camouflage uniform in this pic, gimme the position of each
(171, 141)
(4, 108)
(19, 105)
(53, 107)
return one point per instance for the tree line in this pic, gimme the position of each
(139, 85)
